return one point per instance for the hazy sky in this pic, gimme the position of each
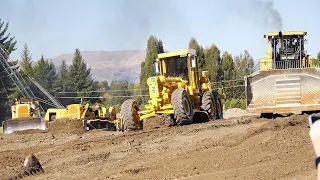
(52, 27)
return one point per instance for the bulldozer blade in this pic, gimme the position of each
(21, 124)
(99, 124)
(283, 91)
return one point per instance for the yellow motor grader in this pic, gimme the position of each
(176, 90)
(288, 80)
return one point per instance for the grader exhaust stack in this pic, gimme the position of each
(288, 80)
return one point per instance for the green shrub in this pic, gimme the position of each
(235, 103)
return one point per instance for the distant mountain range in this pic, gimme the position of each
(109, 65)
(112, 65)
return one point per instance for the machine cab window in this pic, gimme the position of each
(177, 67)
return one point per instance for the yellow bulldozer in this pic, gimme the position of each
(288, 80)
(25, 115)
(96, 117)
(176, 90)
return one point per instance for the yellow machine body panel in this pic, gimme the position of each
(288, 80)
(21, 110)
(55, 113)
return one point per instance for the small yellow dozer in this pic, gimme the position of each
(25, 115)
(176, 90)
(101, 118)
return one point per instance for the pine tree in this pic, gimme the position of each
(7, 87)
(26, 61)
(45, 74)
(61, 83)
(79, 77)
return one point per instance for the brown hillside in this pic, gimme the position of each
(109, 65)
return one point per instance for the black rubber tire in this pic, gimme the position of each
(208, 104)
(182, 115)
(219, 105)
(129, 116)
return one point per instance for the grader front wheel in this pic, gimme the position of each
(130, 119)
(183, 111)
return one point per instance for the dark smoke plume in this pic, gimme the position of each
(261, 12)
(270, 16)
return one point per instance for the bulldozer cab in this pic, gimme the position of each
(285, 51)
(25, 107)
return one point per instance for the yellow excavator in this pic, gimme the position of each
(288, 80)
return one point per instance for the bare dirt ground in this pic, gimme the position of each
(235, 148)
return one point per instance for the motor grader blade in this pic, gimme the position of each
(26, 123)
(201, 116)
(99, 124)
(283, 90)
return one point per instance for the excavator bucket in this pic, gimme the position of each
(26, 123)
(283, 90)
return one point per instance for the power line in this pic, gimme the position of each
(101, 97)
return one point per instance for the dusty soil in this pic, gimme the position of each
(235, 148)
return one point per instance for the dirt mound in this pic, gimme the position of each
(66, 125)
(237, 112)
(279, 124)
(159, 121)
(30, 131)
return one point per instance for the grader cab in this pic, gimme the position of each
(176, 90)
(288, 80)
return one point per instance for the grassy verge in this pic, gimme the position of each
(1, 129)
